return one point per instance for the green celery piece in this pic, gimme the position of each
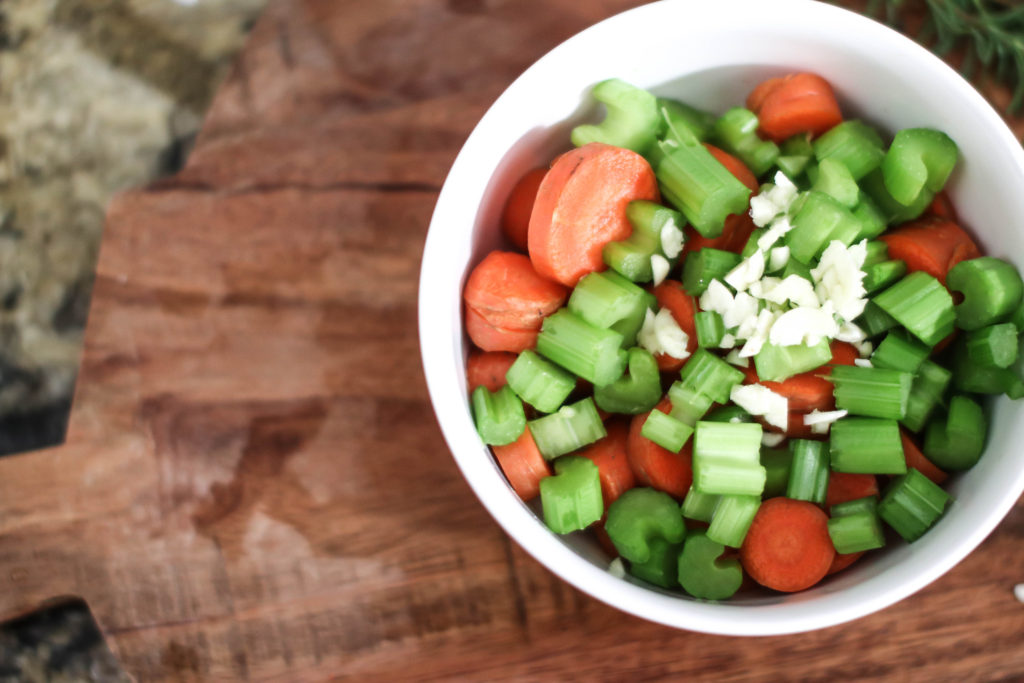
(957, 443)
(635, 392)
(679, 114)
(640, 515)
(704, 265)
(711, 375)
(912, 504)
(878, 276)
(874, 321)
(869, 215)
(539, 382)
(926, 392)
(689, 404)
(900, 351)
(852, 143)
(779, 363)
(777, 463)
(631, 257)
(922, 305)
(735, 131)
(591, 352)
(703, 573)
(919, 159)
(866, 445)
(632, 118)
(994, 346)
(699, 506)
(571, 499)
(572, 427)
(666, 431)
(728, 413)
(696, 183)
(732, 518)
(662, 567)
(834, 179)
(610, 301)
(854, 533)
(499, 415)
(877, 252)
(710, 329)
(872, 392)
(809, 468)
(974, 378)
(818, 219)
(751, 246)
(992, 291)
(873, 184)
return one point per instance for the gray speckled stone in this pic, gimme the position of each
(96, 96)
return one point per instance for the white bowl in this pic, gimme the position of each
(711, 54)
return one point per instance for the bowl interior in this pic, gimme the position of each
(712, 59)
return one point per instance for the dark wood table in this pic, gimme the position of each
(254, 485)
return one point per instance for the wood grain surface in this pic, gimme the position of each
(254, 485)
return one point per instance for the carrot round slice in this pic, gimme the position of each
(845, 486)
(842, 561)
(788, 547)
(916, 459)
(734, 166)
(488, 368)
(507, 292)
(932, 244)
(942, 206)
(581, 206)
(515, 218)
(655, 466)
(523, 465)
(797, 103)
(493, 338)
(671, 295)
(609, 454)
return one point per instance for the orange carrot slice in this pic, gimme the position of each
(609, 454)
(845, 486)
(788, 547)
(523, 465)
(493, 338)
(581, 206)
(515, 218)
(797, 103)
(916, 459)
(655, 466)
(507, 292)
(932, 244)
(488, 368)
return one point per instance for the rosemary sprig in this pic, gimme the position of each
(991, 31)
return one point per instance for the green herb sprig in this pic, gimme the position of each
(991, 31)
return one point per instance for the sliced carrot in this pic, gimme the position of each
(507, 292)
(523, 465)
(916, 459)
(942, 206)
(931, 244)
(788, 547)
(488, 368)
(671, 295)
(581, 206)
(842, 561)
(845, 486)
(809, 390)
(655, 466)
(797, 103)
(798, 430)
(515, 218)
(493, 338)
(734, 166)
(609, 454)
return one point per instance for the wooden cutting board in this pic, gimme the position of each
(254, 485)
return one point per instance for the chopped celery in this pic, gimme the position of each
(957, 443)
(808, 474)
(710, 375)
(499, 415)
(639, 516)
(834, 179)
(666, 431)
(925, 393)
(591, 352)
(898, 351)
(777, 463)
(631, 257)
(866, 445)
(919, 160)
(699, 506)
(878, 276)
(732, 518)
(632, 119)
(572, 427)
(702, 572)
(662, 567)
(697, 184)
(852, 143)
(571, 500)
(637, 391)
(779, 363)
(818, 221)
(679, 114)
(995, 346)
(710, 329)
(539, 382)
(736, 132)
(922, 305)
(704, 265)
(726, 458)
(912, 504)
(992, 290)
